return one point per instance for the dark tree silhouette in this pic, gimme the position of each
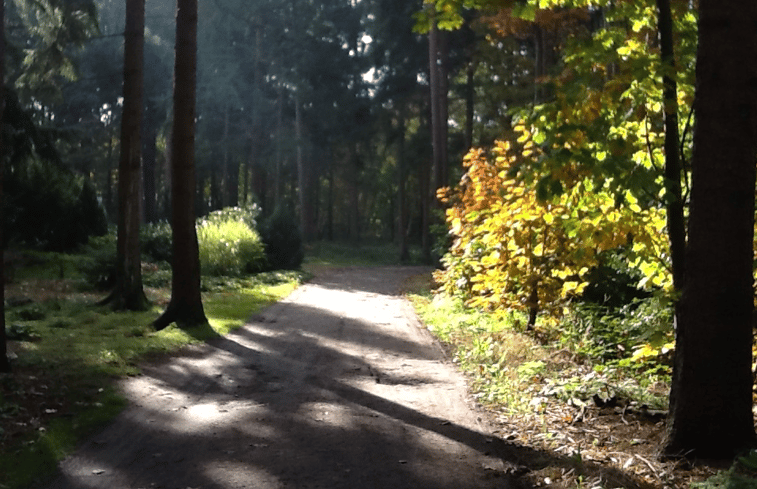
(128, 292)
(185, 307)
(5, 365)
(711, 396)
(676, 220)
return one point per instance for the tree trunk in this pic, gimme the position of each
(301, 177)
(354, 190)
(128, 292)
(711, 395)
(401, 197)
(437, 88)
(201, 206)
(215, 190)
(470, 99)
(5, 364)
(149, 162)
(424, 200)
(224, 194)
(533, 305)
(330, 205)
(277, 191)
(185, 307)
(673, 194)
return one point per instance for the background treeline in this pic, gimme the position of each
(320, 107)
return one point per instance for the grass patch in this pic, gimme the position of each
(39, 453)
(515, 373)
(69, 352)
(499, 359)
(229, 309)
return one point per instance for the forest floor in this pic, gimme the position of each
(340, 386)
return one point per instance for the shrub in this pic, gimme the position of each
(50, 208)
(99, 265)
(229, 244)
(283, 241)
(156, 241)
(638, 332)
(247, 214)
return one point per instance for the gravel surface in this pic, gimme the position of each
(337, 386)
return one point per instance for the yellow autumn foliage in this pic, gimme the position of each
(512, 251)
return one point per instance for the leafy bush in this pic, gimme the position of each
(601, 334)
(283, 241)
(99, 264)
(156, 241)
(613, 283)
(515, 249)
(247, 214)
(229, 248)
(227, 243)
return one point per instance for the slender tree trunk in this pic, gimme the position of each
(245, 193)
(223, 190)
(424, 185)
(215, 190)
(711, 396)
(438, 107)
(279, 146)
(401, 197)
(149, 162)
(470, 99)
(330, 206)
(185, 307)
(5, 364)
(233, 185)
(441, 177)
(109, 206)
(533, 305)
(168, 190)
(301, 177)
(674, 195)
(354, 202)
(128, 292)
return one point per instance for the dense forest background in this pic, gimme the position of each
(541, 153)
(300, 104)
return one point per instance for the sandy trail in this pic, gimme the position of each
(336, 386)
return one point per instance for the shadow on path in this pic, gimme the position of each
(334, 387)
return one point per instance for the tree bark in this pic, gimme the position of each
(354, 194)
(185, 307)
(401, 197)
(470, 99)
(5, 364)
(149, 163)
(711, 395)
(128, 293)
(330, 204)
(301, 175)
(673, 194)
(438, 96)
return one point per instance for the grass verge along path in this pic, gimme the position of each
(67, 355)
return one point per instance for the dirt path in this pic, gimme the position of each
(334, 387)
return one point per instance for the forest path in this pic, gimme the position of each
(337, 386)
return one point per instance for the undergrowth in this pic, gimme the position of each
(516, 372)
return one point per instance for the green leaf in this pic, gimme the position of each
(525, 11)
